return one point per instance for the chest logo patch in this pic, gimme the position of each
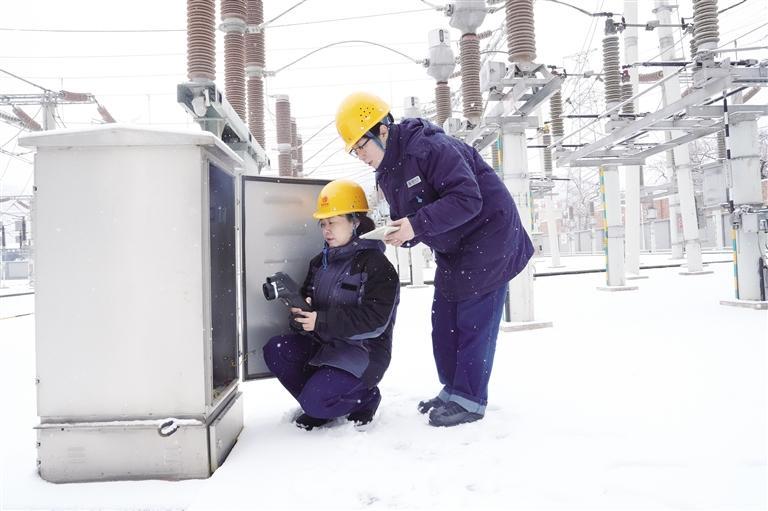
(412, 182)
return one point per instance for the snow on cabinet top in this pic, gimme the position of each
(126, 135)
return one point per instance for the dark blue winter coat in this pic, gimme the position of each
(355, 292)
(457, 205)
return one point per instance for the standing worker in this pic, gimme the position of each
(441, 193)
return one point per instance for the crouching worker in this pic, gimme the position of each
(334, 365)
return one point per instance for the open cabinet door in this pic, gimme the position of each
(279, 234)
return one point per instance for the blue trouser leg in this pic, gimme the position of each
(323, 392)
(467, 332)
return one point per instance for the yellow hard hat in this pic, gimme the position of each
(340, 197)
(358, 113)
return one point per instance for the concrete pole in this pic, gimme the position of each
(417, 266)
(674, 233)
(745, 175)
(515, 171)
(671, 91)
(404, 263)
(614, 239)
(719, 233)
(632, 173)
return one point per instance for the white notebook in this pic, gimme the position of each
(379, 232)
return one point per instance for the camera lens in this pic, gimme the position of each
(270, 293)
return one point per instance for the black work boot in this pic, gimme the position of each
(308, 423)
(365, 415)
(452, 414)
(425, 406)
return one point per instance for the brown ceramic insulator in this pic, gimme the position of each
(556, 114)
(470, 77)
(75, 96)
(751, 93)
(201, 40)
(299, 155)
(546, 140)
(294, 143)
(705, 27)
(284, 164)
(28, 121)
(521, 39)
(234, 72)
(650, 77)
(442, 102)
(254, 43)
(105, 114)
(626, 93)
(611, 75)
(694, 47)
(233, 9)
(283, 120)
(256, 109)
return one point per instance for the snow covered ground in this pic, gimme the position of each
(650, 399)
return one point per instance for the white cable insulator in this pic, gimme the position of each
(705, 29)
(626, 93)
(201, 40)
(546, 140)
(611, 75)
(442, 102)
(556, 114)
(521, 39)
(283, 121)
(470, 77)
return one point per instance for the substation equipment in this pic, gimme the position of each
(152, 247)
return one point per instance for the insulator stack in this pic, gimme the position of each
(556, 114)
(255, 62)
(283, 118)
(650, 77)
(442, 102)
(495, 156)
(9, 118)
(694, 47)
(299, 155)
(626, 93)
(721, 145)
(82, 97)
(611, 75)
(751, 93)
(546, 140)
(705, 29)
(470, 77)
(201, 40)
(28, 121)
(294, 148)
(105, 114)
(521, 40)
(233, 24)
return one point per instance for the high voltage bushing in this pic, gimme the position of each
(255, 61)
(442, 102)
(521, 39)
(705, 29)
(694, 47)
(611, 75)
(294, 147)
(283, 118)
(299, 155)
(201, 40)
(555, 114)
(233, 16)
(470, 77)
(626, 93)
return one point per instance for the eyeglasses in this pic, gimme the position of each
(356, 148)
